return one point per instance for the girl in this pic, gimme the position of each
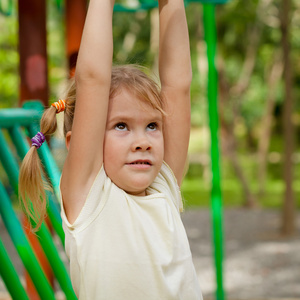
(127, 147)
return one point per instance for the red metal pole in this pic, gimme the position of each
(75, 17)
(33, 85)
(32, 50)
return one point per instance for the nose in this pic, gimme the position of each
(141, 143)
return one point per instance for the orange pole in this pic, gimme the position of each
(39, 253)
(75, 17)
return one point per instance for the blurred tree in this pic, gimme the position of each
(273, 76)
(233, 89)
(288, 224)
(250, 68)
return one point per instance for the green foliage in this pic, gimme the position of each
(9, 85)
(239, 24)
(132, 38)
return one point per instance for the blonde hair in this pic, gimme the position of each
(31, 186)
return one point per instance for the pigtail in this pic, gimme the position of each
(32, 194)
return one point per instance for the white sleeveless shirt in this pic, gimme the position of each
(128, 247)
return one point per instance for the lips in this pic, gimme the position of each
(140, 162)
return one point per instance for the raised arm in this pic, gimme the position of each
(92, 77)
(175, 75)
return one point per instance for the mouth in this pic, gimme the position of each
(141, 162)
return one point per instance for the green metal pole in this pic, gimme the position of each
(10, 276)
(23, 247)
(45, 240)
(216, 197)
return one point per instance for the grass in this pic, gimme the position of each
(196, 185)
(196, 193)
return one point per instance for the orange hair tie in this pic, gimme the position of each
(59, 105)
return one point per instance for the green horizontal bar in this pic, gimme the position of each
(10, 117)
(10, 276)
(141, 7)
(207, 1)
(146, 5)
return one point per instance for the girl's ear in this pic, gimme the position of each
(68, 139)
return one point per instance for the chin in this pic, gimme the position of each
(139, 188)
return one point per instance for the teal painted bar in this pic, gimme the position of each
(23, 247)
(11, 117)
(216, 196)
(10, 276)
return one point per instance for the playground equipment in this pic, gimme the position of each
(13, 119)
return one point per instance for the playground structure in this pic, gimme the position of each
(24, 121)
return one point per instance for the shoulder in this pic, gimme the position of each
(166, 182)
(93, 201)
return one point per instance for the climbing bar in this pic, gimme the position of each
(10, 276)
(45, 240)
(11, 119)
(216, 197)
(23, 247)
(12, 170)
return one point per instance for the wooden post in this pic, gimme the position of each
(75, 17)
(32, 50)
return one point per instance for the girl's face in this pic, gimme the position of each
(133, 144)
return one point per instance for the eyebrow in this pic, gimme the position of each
(126, 118)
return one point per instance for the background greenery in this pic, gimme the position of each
(249, 47)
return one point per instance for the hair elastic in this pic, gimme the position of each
(38, 140)
(60, 105)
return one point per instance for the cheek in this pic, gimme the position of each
(160, 146)
(108, 151)
(109, 162)
(112, 153)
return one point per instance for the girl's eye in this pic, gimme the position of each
(152, 126)
(121, 126)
